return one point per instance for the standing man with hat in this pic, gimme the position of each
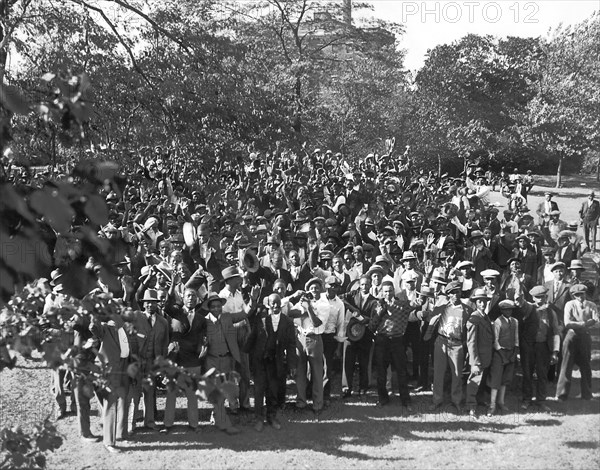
(153, 329)
(580, 316)
(311, 325)
(478, 254)
(539, 344)
(389, 325)
(235, 305)
(527, 256)
(589, 214)
(222, 350)
(480, 342)
(334, 333)
(448, 352)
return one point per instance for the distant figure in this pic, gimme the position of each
(546, 207)
(589, 213)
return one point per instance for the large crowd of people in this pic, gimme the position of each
(334, 278)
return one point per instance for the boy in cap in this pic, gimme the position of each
(480, 341)
(448, 350)
(539, 342)
(506, 347)
(580, 316)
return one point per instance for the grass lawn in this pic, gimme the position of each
(352, 434)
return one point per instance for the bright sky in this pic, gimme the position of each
(433, 22)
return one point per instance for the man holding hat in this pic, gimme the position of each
(558, 290)
(361, 304)
(580, 316)
(236, 305)
(480, 341)
(310, 325)
(539, 344)
(527, 256)
(478, 254)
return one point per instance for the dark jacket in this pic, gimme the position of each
(480, 340)
(283, 342)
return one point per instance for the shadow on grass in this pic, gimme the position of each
(582, 444)
(543, 422)
(364, 426)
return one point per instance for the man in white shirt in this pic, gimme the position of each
(334, 333)
(235, 304)
(311, 325)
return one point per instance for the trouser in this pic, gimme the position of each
(192, 401)
(535, 357)
(447, 354)
(114, 415)
(329, 347)
(243, 368)
(266, 386)
(476, 384)
(426, 354)
(358, 350)
(82, 399)
(311, 353)
(134, 396)
(61, 387)
(412, 339)
(577, 349)
(589, 232)
(391, 351)
(223, 364)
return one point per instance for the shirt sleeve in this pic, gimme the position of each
(497, 334)
(340, 329)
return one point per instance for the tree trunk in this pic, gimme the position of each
(439, 165)
(598, 169)
(559, 172)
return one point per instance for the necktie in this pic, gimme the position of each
(149, 318)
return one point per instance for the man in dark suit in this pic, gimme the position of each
(222, 350)
(188, 344)
(515, 280)
(114, 352)
(527, 256)
(478, 254)
(590, 213)
(280, 272)
(480, 341)
(153, 330)
(565, 251)
(558, 291)
(557, 297)
(272, 348)
(361, 304)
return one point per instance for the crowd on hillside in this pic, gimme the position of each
(321, 271)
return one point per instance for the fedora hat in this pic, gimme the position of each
(408, 255)
(165, 269)
(450, 210)
(355, 329)
(479, 293)
(427, 291)
(250, 261)
(438, 278)
(230, 272)
(576, 264)
(150, 295)
(211, 298)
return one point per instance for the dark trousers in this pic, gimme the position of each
(329, 347)
(83, 406)
(358, 350)
(535, 357)
(266, 385)
(577, 349)
(412, 339)
(476, 386)
(426, 355)
(391, 351)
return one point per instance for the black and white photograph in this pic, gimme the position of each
(300, 234)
